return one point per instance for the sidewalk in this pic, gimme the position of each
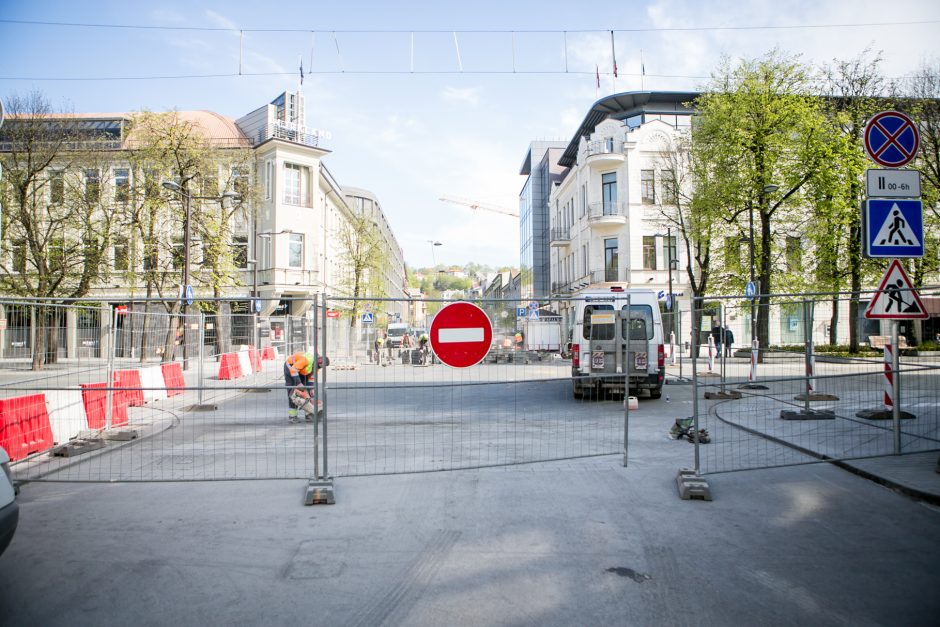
(914, 474)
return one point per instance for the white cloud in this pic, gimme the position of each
(468, 95)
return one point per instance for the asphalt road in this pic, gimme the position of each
(582, 541)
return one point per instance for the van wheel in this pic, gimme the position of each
(656, 393)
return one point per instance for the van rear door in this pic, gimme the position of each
(634, 332)
(600, 338)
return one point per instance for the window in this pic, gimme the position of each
(57, 254)
(647, 187)
(641, 322)
(92, 185)
(151, 184)
(671, 253)
(610, 259)
(609, 193)
(240, 181)
(120, 253)
(18, 253)
(293, 184)
(794, 254)
(122, 182)
(649, 252)
(295, 251)
(583, 199)
(600, 331)
(179, 252)
(209, 185)
(150, 257)
(670, 189)
(269, 180)
(56, 187)
(240, 251)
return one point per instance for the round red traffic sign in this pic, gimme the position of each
(891, 139)
(461, 334)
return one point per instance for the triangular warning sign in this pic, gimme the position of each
(895, 231)
(896, 298)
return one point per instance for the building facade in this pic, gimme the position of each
(542, 172)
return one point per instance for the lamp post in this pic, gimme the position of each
(433, 243)
(176, 188)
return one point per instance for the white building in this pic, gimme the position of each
(605, 215)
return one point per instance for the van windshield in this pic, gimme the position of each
(638, 313)
(396, 332)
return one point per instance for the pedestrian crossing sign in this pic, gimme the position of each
(896, 298)
(367, 318)
(894, 228)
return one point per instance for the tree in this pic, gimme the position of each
(57, 219)
(856, 90)
(692, 205)
(759, 115)
(166, 146)
(365, 260)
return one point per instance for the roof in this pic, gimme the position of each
(623, 105)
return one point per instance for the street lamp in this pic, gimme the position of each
(433, 243)
(175, 187)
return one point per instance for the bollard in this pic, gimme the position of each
(711, 353)
(752, 374)
(672, 348)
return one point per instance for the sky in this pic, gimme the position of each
(414, 111)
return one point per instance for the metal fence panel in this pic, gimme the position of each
(804, 400)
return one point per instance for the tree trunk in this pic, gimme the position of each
(763, 309)
(834, 321)
(38, 337)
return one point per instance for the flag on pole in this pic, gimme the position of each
(613, 53)
(597, 75)
(301, 70)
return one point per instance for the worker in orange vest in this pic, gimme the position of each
(298, 374)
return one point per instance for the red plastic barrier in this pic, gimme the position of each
(267, 353)
(254, 357)
(129, 379)
(24, 425)
(96, 400)
(229, 367)
(173, 378)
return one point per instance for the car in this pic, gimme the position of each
(9, 508)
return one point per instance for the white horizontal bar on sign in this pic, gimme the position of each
(447, 336)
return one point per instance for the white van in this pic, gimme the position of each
(607, 340)
(396, 331)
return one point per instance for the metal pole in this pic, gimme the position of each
(695, 395)
(722, 337)
(808, 339)
(187, 242)
(626, 382)
(202, 345)
(896, 384)
(669, 297)
(323, 389)
(109, 403)
(679, 334)
(316, 394)
(750, 220)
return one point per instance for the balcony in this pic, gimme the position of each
(605, 214)
(560, 236)
(287, 132)
(603, 154)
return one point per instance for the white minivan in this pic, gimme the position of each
(617, 333)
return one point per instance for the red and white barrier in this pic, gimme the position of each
(672, 348)
(811, 373)
(889, 377)
(35, 423)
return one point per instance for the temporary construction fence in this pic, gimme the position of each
(802, 400)
(199, 405)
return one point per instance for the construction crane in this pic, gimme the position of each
(480, 205)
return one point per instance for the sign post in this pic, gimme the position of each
(461, 334)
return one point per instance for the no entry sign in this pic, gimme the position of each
(461, 334)
(891, 139)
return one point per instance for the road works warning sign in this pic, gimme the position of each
(896, 298)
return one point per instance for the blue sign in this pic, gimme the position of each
(668, 302)
(189, 294)
(534, 314)
(257, 305)
(520, 312)
(894, 228)
(891, 139)
(750, 290)
(367, 318)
